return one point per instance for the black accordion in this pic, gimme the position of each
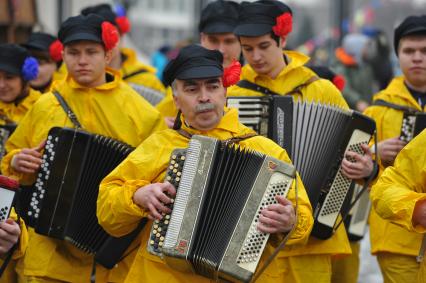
(221, 190)
(412, 124)
(63, 199)
(5, 132)
(316, 136)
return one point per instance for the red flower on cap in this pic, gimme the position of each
(339, 82)
(8, 182)
(123, 24)
(231, 74)
(284, 24)
(55, 50)
(110, 35)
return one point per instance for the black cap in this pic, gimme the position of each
(39, 41)
(12, 58)
(219, 17)
(103, 10)
(194, 62)
(258, 18)
(81, 28)
(412, 25)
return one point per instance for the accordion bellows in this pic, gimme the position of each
(316, 136)
(221, 191)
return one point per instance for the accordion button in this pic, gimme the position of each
(166, 222)
(158, 235)
(161, 238)
(159, 229)
(151, 242)
(173, 156)
(160, 244)
(154, 231)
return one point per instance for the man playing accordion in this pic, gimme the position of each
(136, 188)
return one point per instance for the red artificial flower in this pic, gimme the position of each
(231, 74)
(339, 82)
(55, 50)
(284, 25)
(123, 24)
(110, 35)
(8, 182)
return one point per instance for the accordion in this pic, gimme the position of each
(7, 200)
(63, 198)
(151, 95)
(412, 125)
(221, 190)
(5, 132)
(316, 136)
(357, 219)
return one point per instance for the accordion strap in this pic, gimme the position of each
(125, 77)
(420, 256)
(67, 109)
(266, 91)
(381, 102)
(232, 140)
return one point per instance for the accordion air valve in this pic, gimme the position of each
(213, 226)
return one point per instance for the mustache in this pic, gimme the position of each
(203, 107)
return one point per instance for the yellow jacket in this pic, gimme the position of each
(167, 106)
(293, 75)
(9, 274)
(15, 112)
(112, 109)
(131, 65)
(118, 214)
(402, 185)
(384, 235)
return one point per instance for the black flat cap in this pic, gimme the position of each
(12, 58)
(258, 18)
(219, 17)
(103, 10)
(412, 25)
(194, 62)
(39, 41)
(81, 28)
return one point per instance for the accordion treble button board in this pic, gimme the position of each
(159, 227)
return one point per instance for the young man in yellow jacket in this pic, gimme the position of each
(395, 247)
(200, 94)
(217, 22)
(104, 105)
(17, 69)
(141, 77)
(399, 196)
(263, 29)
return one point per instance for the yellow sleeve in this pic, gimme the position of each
(402, 185)
(116, 211)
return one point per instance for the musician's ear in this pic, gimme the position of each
(283, 42)
(176, 100)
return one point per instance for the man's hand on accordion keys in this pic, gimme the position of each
(9, 235)
(153, 198)
(357, 166)
(277, 218)
(28, 160)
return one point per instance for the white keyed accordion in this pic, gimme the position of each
(357, 219)
(315, 137)
(221, 190)
(7, 199)
(63, 199)
(412, 125)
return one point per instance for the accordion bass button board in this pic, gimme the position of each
(5, 132)
(7, 199)
(412, 125)
(212, 229)
(316, 137)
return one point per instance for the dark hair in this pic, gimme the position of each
(275, 37)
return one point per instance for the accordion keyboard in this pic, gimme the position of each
(42, 177)
(338, 190)
(159, 227)
(6, 201)
(407, 128)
